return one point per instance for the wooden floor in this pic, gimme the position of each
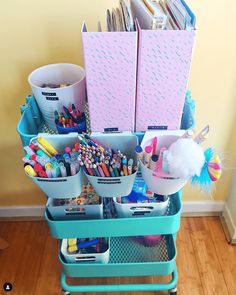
(206, 262)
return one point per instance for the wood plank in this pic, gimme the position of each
(32, 255)
(50, 268)
(11, 261)
(189, 276)
(208, 264)
(226, 253)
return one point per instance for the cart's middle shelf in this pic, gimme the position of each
(115, 227)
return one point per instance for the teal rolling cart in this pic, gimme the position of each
(126, 256)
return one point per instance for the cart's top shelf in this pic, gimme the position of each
(168, 224)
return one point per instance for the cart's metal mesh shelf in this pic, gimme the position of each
(126, 250)
(128, 258)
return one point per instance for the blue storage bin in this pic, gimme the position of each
(31, 122)
(81, 127)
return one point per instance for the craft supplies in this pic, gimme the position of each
(70, 120)
(87, 245)
(55, 85)
(83, 199)
(99, 161)
(147, 241)
(51, 85)
(52, 164)
(141, 201)
(95, 250)
(94, 159)
(88, 205)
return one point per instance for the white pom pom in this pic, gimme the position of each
(185, 158)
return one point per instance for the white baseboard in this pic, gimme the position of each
(22, 211)
(202, 208)
(192, 208)
(229, 224)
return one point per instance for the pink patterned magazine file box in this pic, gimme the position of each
(110, 63)
(163, 69)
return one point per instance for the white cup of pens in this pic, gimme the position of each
(171, 158)
(57, 85)
(152, 165)
(110, 163)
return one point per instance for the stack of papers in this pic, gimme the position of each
(120, 19)
(151, 14)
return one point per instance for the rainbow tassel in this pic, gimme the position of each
(210, 172)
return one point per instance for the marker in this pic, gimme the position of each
(48, 165)
(67, 166)
(42, 174)
(160, 160)
(29, 150)
(42, 141)
(28, 161)
(154, 145)
(36, 146)
(29, 170)
(38, 167)
(71, 242)
(49, 172)
(42, 154)
(67, 150)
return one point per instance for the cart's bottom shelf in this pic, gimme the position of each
(128, 258)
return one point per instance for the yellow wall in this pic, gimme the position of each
(34, 33)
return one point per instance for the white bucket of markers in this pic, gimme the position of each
(115, 186)
(161, 185)
(60, 187)
(51, 99)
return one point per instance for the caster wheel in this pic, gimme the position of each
(173, 291)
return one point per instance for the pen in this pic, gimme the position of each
(202, 135)
(153, 162)
(139, 152)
